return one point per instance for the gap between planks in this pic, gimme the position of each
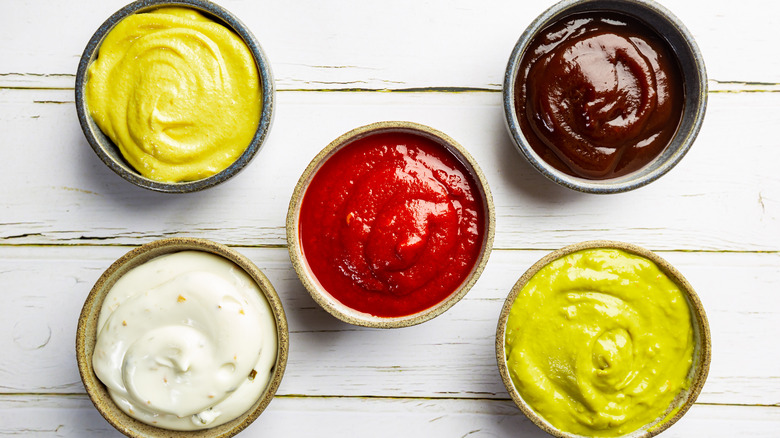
(39, 81)
(79, 395)
(280, 246)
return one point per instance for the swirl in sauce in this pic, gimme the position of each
(185, 341)
(599, 95)
(177, 93)
(391, 224)
(600, 342)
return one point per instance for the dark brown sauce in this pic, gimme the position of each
(599, 95)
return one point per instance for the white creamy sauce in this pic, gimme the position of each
(185, 341)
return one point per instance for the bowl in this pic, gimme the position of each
(381, 317)
(86, 337)
(105, 148)
(694, 79)
(701, 350)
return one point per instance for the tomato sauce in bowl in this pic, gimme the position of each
(392, 223)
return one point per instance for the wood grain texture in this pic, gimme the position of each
(697, 206)
(52, 416)
(65, 217)
(353, 44)
(450, 356)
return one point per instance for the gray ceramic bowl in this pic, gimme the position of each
(107, 150)
(701, 334)
(86, 336)
(694, 78)
(325, 299)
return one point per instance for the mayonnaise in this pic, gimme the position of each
(185, 341)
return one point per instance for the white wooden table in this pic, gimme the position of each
(65, 217)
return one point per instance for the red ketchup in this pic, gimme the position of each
(391, 224)
(599, 95)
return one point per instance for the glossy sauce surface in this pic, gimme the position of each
(600, 342)
(178, 93)
(598, 95)
(186, 341)
(391, 224)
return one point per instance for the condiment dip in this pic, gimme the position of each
(185, 341)
(598, 94)
(178, 93)
(600, 342)
(392, 224)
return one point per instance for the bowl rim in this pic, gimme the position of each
(86, 334)
(324, 299)
(99, 141)
(641, 177)
(702, 350)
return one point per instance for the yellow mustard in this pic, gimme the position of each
(177, 92)
(600, 342)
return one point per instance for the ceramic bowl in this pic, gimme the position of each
(694, 77)
(105, 148)
(701, 334)
(323, 297)
(86, 336)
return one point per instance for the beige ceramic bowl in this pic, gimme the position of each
(87, 333)
(701, 333)
(325, 299)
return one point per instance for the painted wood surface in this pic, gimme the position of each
(65, 217)
(48, 416)
(450, 356)
(357, 44)
(724, 196)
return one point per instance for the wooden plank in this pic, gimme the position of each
(49, 416)
(64, 217)
(699, 205)
(450, 356)
(347, 45)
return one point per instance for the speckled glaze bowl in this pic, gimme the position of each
(325, 299)
(86, 336)
(701, 333)
(109, 153)
(694, 82)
